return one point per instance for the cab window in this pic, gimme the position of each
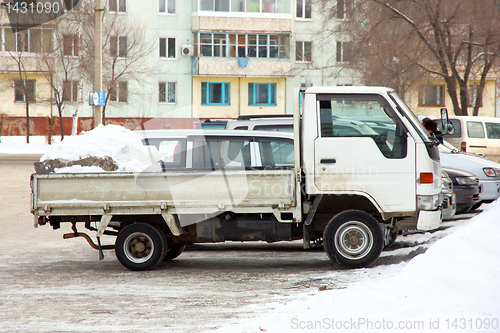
(363, 116)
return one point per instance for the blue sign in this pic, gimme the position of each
(99, 98)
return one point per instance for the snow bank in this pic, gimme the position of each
(18, 145)
(453, 286)
(122, 145)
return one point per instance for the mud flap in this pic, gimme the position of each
(429, 220)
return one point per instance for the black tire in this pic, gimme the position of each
(173, 252)
(353, 239)
(140, 246)
(475, 206)
(462, 210)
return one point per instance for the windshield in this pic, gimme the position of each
(449, 147)
(414, 121)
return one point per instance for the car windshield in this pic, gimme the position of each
(449, 147)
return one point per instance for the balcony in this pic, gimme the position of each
(248, 24)
(237, 15)
(207, 66)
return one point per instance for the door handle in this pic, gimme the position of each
(328, 160)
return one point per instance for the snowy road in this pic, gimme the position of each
(48, 284)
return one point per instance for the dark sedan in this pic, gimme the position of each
(466, 187)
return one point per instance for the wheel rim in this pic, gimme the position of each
(354, 240)
(138, 247)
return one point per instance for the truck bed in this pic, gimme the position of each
(173, 192)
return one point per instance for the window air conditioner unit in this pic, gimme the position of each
(187, 50)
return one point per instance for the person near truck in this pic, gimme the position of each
(432, 128)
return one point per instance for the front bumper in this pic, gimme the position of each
(491, 189)
(467, 195)
(449, 205)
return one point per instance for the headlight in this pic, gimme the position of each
(490, 172)
(428, 202)
(466, 180)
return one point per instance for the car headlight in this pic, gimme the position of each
(466, 180)
(491, 172)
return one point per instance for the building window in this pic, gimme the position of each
(249, 6)
(304, 9)
(242, 45)
(119, 6)
(344, 9)
(431, 95)
(167, 48)
(167, 6)
(472, 96)
(32, 40)
(119, 92)
(262, 94)
(24, 89)
(344, 51)
(118, 46)
(70, 45)
(166, 92)
(215, 93)
(303, 51)
(70, 91)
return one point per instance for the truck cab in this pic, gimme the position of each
(397, 172)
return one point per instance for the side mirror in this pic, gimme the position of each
(446, 123)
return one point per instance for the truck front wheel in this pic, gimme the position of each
(353, 239)
(173, 252)
(140, 246)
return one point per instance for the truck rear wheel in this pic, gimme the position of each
(353, 239)
(140, 246)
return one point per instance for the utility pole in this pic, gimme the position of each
(98, 11)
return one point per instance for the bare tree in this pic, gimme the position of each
(124, 46)
(402, 40)
(17, 44)
(61, 66)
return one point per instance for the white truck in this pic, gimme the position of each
(349, 189)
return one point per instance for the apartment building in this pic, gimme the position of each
(169, 63)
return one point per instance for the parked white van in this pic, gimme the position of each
(487, 171)
(479, 135)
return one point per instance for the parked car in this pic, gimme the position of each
(466, 187)
(449, 204)
(337, 127)
(278, 123)
(220, 148)
(215, 124)
(480, 135)
(487, 171)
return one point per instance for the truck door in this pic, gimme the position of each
(362, 146)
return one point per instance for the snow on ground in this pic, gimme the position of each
(18, 145)
(453, 286)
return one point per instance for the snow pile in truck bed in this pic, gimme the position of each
(122, 145)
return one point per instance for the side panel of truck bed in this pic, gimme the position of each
(174, 192)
